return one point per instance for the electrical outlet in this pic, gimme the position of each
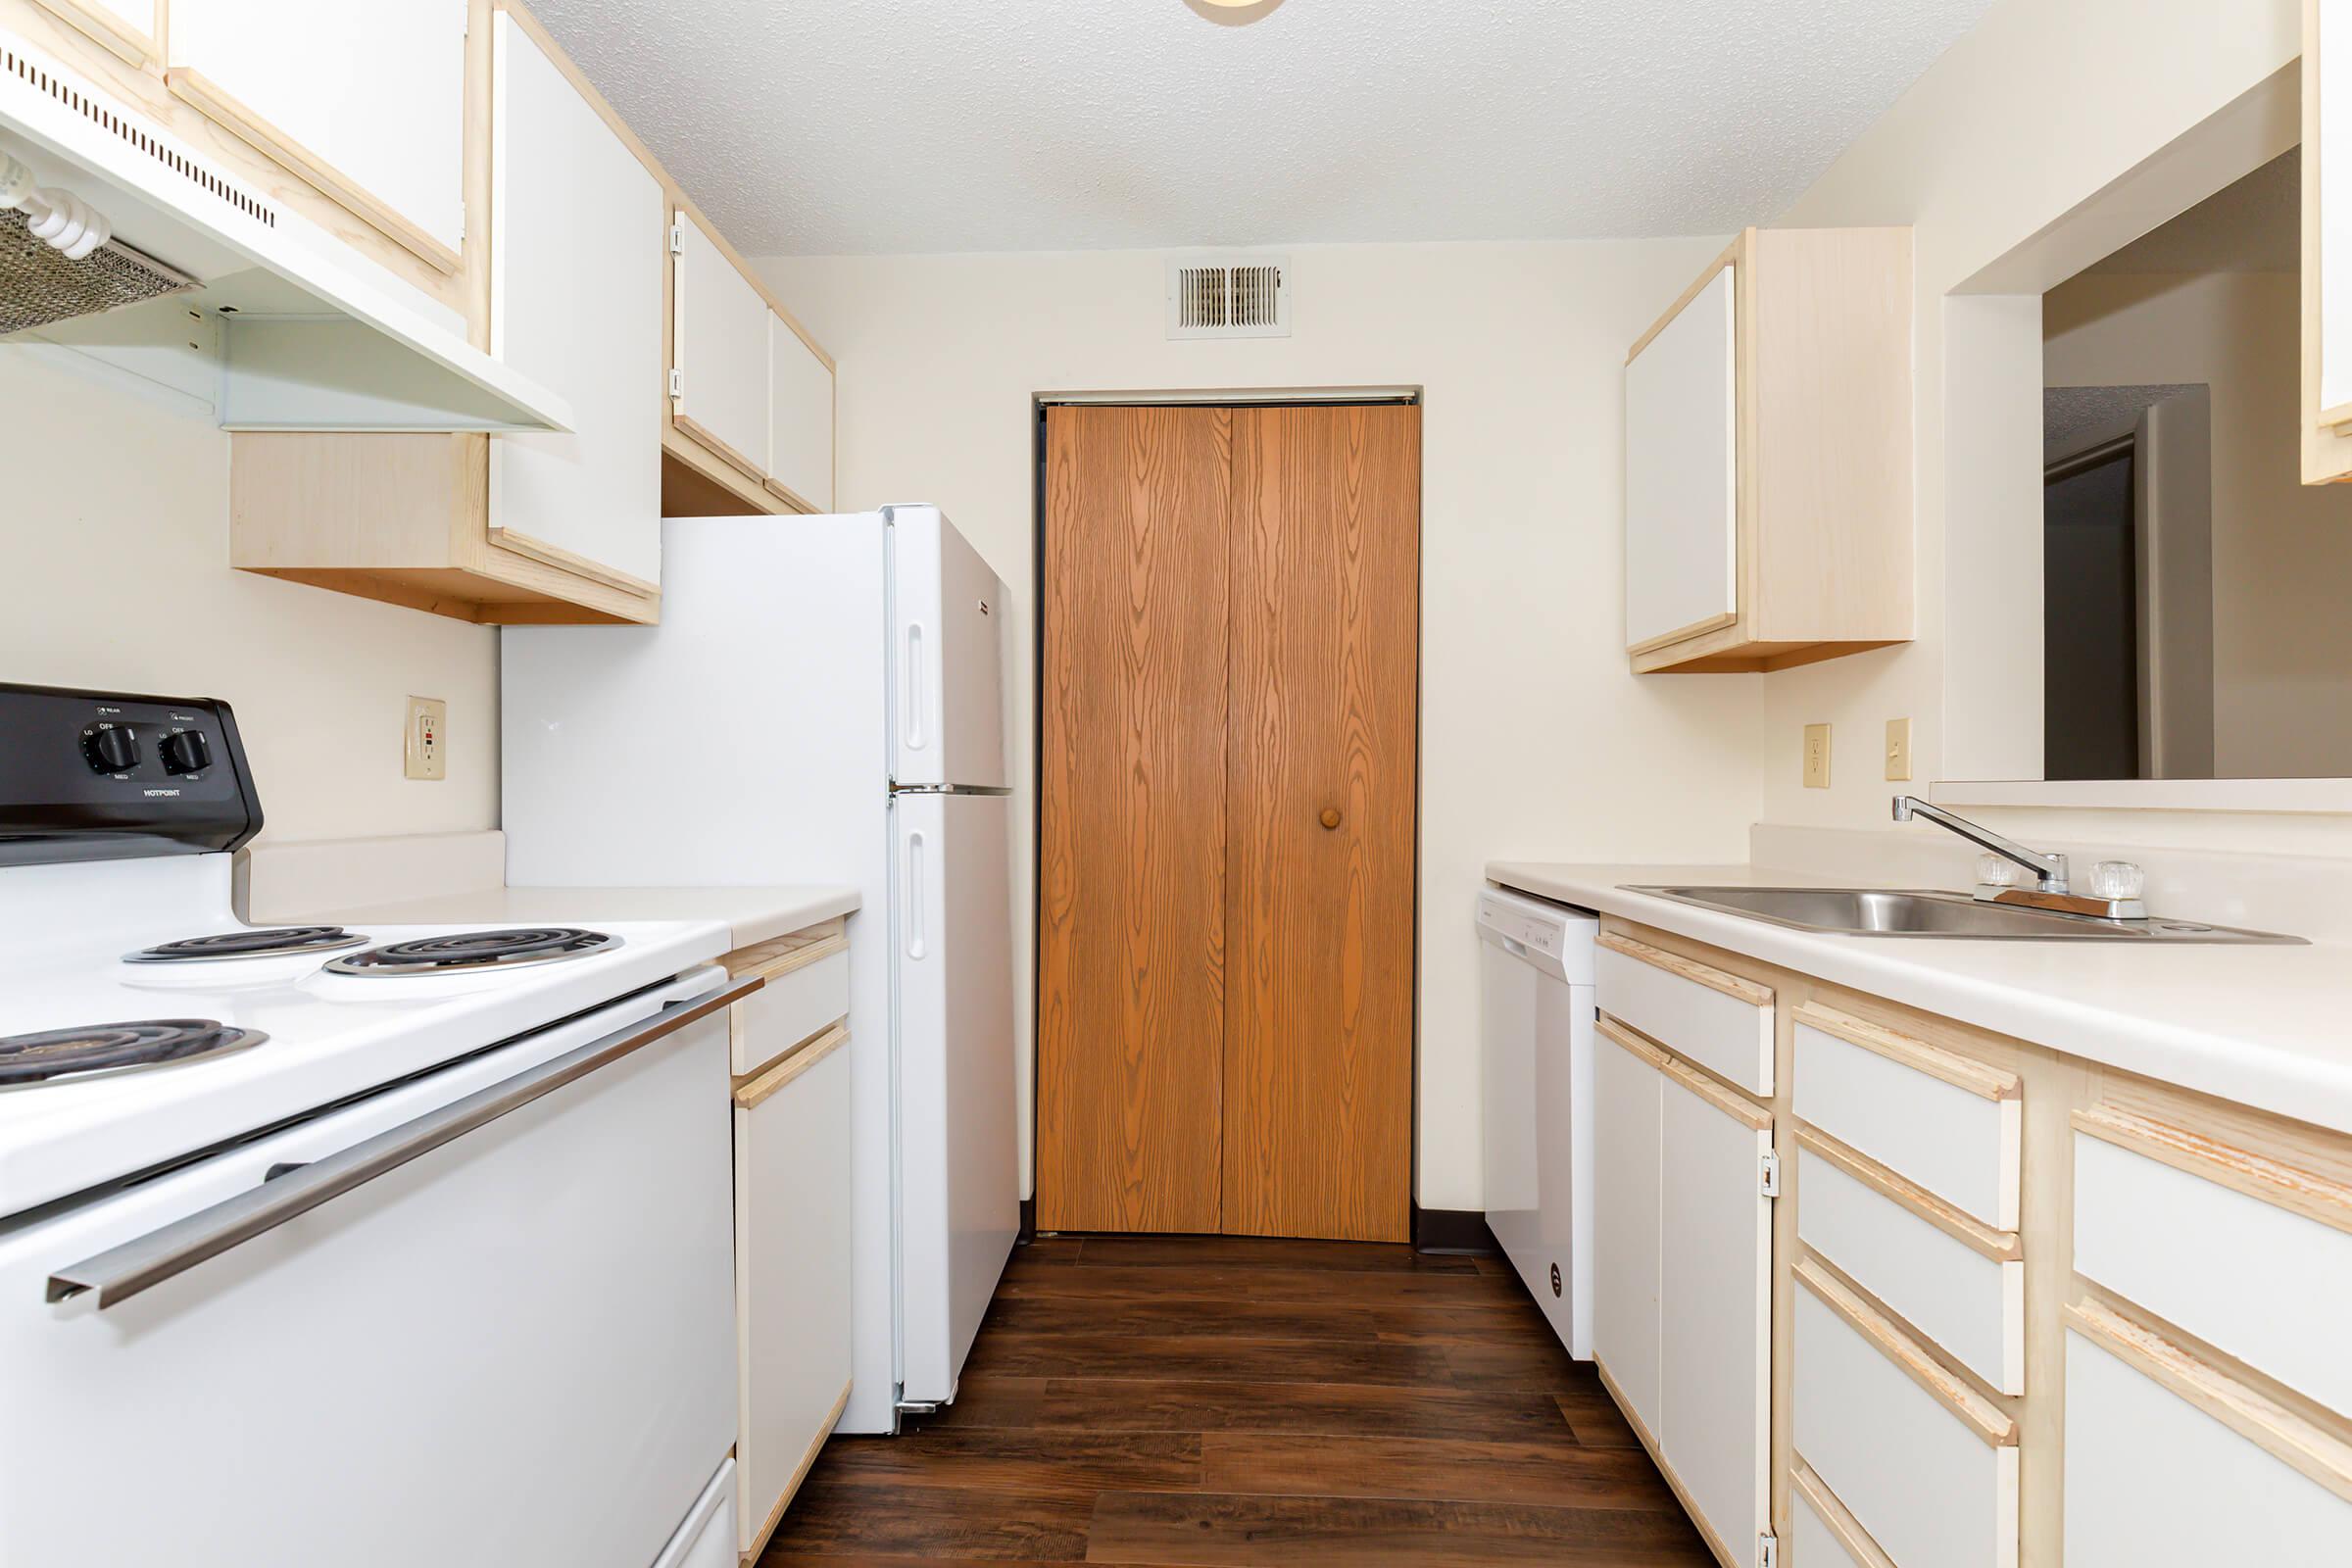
(1817, 756)
(1898, 750)
(424, 745)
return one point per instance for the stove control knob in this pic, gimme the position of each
(187, 752)
(114, 749)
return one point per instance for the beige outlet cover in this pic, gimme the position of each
(424, 741)
(1817, 756)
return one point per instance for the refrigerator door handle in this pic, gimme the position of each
(914, 685)
(913, 906)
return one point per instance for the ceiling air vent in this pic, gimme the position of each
(1241, 296)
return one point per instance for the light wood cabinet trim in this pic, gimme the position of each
(1750, 992)
(1734, 256)
(1723, 1098)
(200, 92)
(800, 1472)
(2285, 1436)
(1632, 1040)
(2307, 1193)
(780, 956)
(1681, 634)
(719, 447)
(761, 1085)
(1978, 1413)
(1835, 1517)
(109, 31)
(1999, 1245)
(578, 565)
(538, 34)
(736, 491)
(1961, 1072)
(788, 496)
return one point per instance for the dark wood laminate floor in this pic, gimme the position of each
(1227, 1401)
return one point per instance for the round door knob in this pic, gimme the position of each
(1330, 817)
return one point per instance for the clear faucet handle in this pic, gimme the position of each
(1996, 870)
(2117, 881)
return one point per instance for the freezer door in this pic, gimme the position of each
(958, 1176)
(947, 655)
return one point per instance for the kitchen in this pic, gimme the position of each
(905, 312)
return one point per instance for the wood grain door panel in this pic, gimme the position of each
(1131, 1005)
(1320, 794)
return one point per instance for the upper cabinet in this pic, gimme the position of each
(718, 381)
(575, 302)
(799, 419)
(365, 102)
(750, 393)
(2326, 242)
(1768, 441)
(585, 269)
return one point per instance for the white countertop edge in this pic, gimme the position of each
(2241, 1068)
(751, 914)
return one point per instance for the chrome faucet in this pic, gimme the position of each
(2048, 870)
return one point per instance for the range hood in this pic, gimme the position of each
(208, 288)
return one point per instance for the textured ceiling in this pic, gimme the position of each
(895, 125)
(2252, 226)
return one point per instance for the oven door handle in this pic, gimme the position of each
(122, 1272)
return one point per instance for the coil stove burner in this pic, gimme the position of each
(276, 942)
(466, 951)
(56, 1054)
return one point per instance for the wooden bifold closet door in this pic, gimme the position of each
(1225, 975)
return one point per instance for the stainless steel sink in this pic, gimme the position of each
(1917, 912)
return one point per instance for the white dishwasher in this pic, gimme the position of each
(1536, 1030)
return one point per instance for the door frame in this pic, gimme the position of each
(1208, 397)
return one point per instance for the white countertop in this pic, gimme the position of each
(2264, 1026)
(751, 914)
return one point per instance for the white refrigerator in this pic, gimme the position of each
(824, 701)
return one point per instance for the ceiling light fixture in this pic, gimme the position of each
(1231, 13)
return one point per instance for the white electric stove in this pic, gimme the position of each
(374, 1247)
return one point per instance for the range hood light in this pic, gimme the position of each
(60, 218)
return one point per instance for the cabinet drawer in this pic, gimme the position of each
(1949, 1124)
(2170, 1463)
(1955, 1279)
(1925, 1465)
(1716, 1019)
(2257, 1278)
(793, 1006)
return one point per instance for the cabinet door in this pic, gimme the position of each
(799, 402)
(575, 302)
(792, 1274)
(1682, 473)
(2200, 1471)
(367, 102)
(1715, 1306)
(1627, 1107)
(722, 346)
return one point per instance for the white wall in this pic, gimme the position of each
(2281, 549)
(1535, 740)
(2043, 107)
(114, 530)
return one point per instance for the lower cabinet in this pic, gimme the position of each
(792, 1253)
(2241, 1478)
(1683, 1297)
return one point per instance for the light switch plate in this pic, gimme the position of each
(424, 745)
(1817, 756)
(1898, 749)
